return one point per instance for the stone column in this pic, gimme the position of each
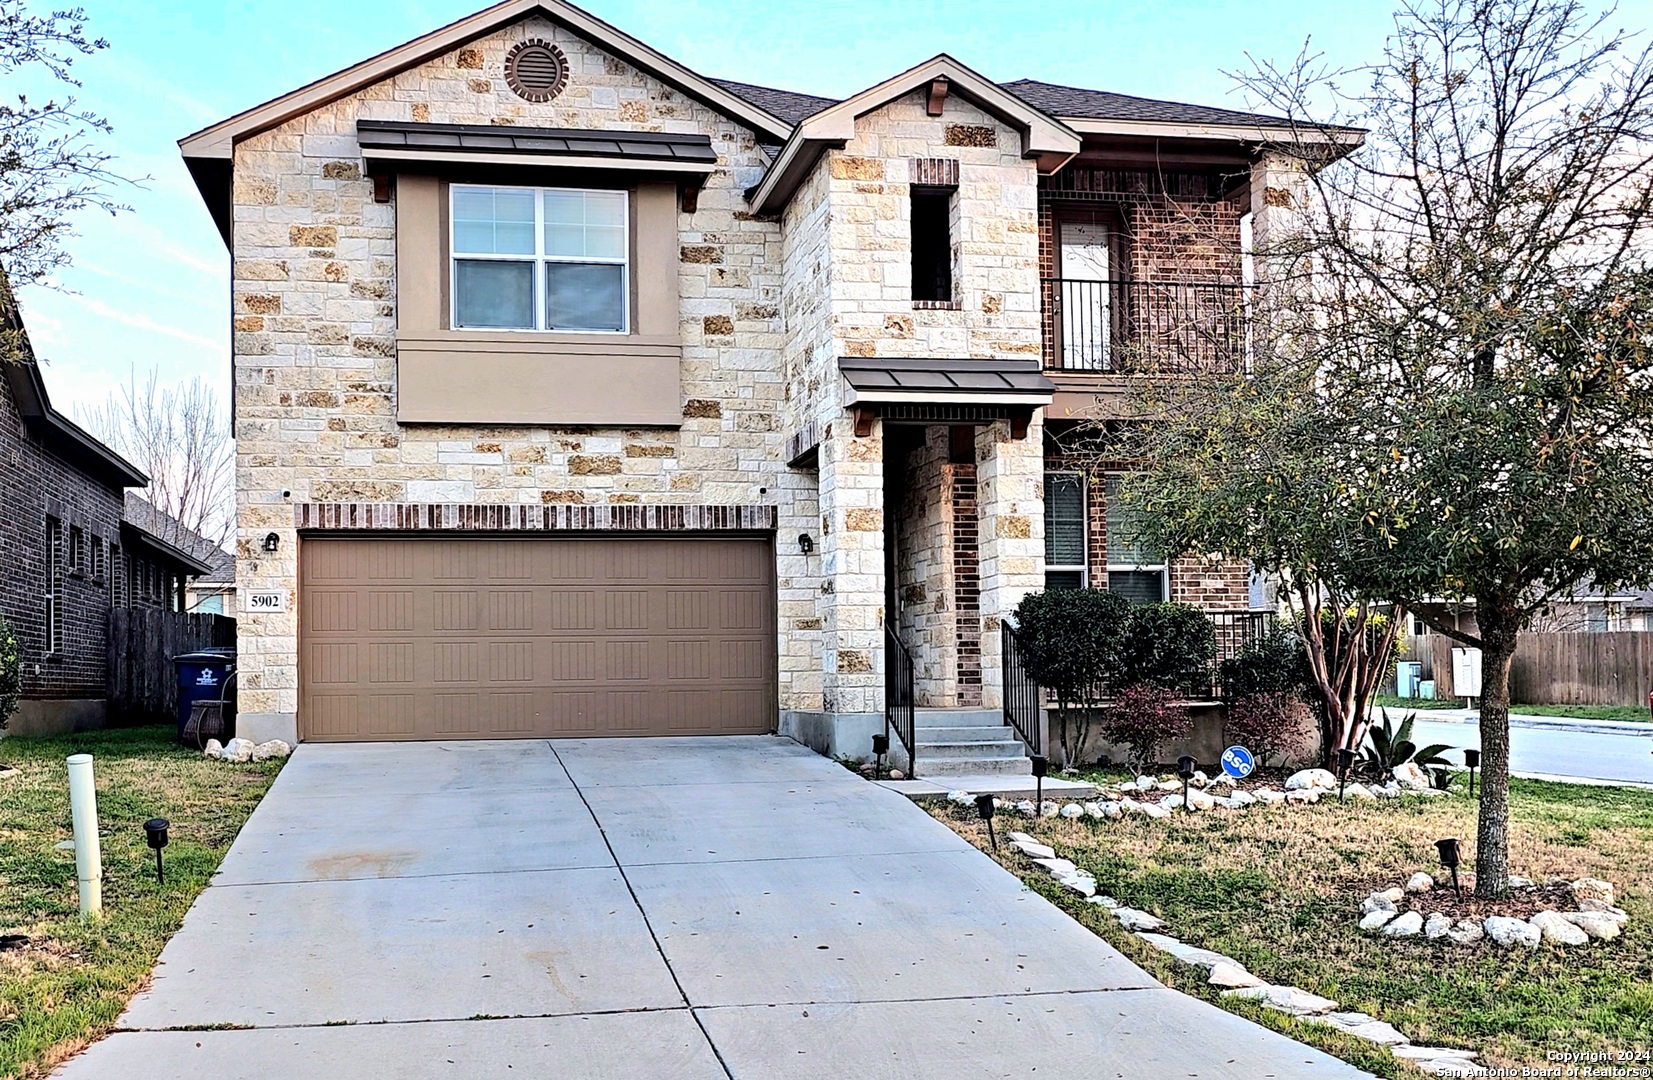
(1011, 497)
(852, 573)
(1277, 197)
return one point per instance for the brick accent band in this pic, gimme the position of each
(499, 517)
(935, 172)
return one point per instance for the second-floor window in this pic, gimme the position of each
(932, 244)
(533, 258)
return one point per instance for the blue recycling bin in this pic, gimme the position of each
(201, 677)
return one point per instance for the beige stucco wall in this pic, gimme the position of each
(315, 295)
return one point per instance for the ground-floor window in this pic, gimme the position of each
(1065, 528)
(1134, 571)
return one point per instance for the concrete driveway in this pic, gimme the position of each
(683, 908)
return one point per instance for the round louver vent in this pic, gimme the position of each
(536, 70)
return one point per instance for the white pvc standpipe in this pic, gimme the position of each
(83, 808)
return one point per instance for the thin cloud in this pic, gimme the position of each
(139, 321)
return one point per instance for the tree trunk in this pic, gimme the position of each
(1499, 621)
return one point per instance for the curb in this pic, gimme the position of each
(1553, 723)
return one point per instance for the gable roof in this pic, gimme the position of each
(1043, 136)
(208, 152)
(62, 436)
(167, 536)
(789, 105)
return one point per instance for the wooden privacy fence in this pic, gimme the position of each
(142, 686)
(1614, 668)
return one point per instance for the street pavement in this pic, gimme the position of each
(1620, 753)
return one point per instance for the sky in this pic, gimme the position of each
(149, 289)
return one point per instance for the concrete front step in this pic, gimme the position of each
(948, 718)
(974, 766)
(940, 735)
(980, 748)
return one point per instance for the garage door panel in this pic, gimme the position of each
(499, 638)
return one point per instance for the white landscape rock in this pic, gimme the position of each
(1509, 932)
(1242, 798)
(1407, 924)
(1409, 775)
(1094, 809)
(1465, 932)
(1057, 867)
(1358, 791)
(1102, 901)
(1025, 807)
(1419, 882)
(1362, 1026)
(1590, 888)
(1391, 790)
(215, 749)
(1269, 795)
(1519, 882)
(1395, 893)
(1377, 902)
(1286, 999)
(1132, 919)
(1154, 810)
(1439, 1060)
(1602, 907)
(1303, 796)
(1073, 810)
(1112, 810)
(269, 751)
(1559, 930)
(1049, 809)
(1228, 976)
(1310, 779)
(1032, 848)
(962, 798)
(1199, 800)
(1437, 926)
(238, 750)
(1146, 783)
(1597, 924)
(1376, 919)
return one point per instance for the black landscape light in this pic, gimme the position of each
(1041, 765)
(984, 807)
(1472, 758)
(155, 833)
(1185, 769)
(1345, 762)
(1449, 859)
(880, 747)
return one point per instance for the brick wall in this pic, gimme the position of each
(966, 582)
(38, 484)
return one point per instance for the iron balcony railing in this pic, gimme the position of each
(1145, 327)
(1235, 631)
(899, 696)
(1022, 705)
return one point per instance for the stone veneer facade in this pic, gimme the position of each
(766, 308)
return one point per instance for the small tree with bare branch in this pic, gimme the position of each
(179, 435)
(1452, 393)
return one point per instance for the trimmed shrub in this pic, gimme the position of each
(1142, 717)
(1070, 641)
(1274, 663)
(1169, 645)
(11, 671)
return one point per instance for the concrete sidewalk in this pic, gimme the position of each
(685, 908)
(1529, 720)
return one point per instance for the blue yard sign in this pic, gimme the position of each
(1237, 762)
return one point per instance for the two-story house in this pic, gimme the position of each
(577, 393)
(76, 543)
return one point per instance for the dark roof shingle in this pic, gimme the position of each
(789, 105)
(1058, 100)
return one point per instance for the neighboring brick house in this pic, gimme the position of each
(578, 393)
(71, 551)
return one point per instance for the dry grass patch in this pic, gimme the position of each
(68, 984)
(1279, 889)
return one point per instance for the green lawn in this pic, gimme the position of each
(1279, 890)
(1637, 713)
(71, 981)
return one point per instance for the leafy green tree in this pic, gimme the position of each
(11, 671)
(1451, 388)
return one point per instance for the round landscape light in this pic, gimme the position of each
(1185, 767)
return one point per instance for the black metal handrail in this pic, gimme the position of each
(1125, 327)
(899, 696)
(1022, 707)
(1235, 630)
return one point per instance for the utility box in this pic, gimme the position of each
(1408, 673)
(1466, 673)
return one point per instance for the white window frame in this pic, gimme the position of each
(1083, 566)
(1162, 567)
(538, 259)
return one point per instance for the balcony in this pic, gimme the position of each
(1097, 329)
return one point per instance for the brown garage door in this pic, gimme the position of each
(426, 638)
